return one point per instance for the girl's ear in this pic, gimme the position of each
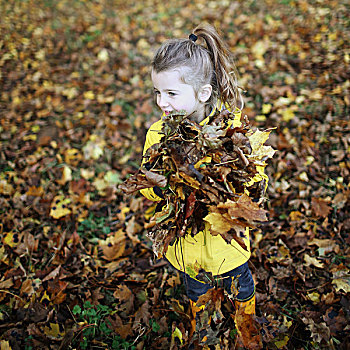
(205, 93)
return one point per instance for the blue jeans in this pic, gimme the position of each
(243, 284)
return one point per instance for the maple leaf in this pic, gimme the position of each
(172, 122)
(142, 314)
(230, 229)
(244, 208)
(320, 207)
(141, 180)
(257, 140)
(114, 246)
(59, 207)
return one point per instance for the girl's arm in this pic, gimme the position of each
(152, 137)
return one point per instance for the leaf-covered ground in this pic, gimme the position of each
(76, 271)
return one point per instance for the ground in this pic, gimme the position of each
(76, 271)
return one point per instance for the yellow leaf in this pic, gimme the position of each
(35, 128)
(66, 175)
(341, 281)
(266, 108)
(260, 63)
(143, 44)
(31, 137)
(5, 345)
(206, 159)
(347, 58)
(35, 191)
(289, 80)
(341, 284)
(45, 297)
(218, 222)
(287, 115)
(312, 261)
(189, 180)
(295, 215)
(3, 256)
(105, 99)
(70, 93)
(59, 207)
(257, 140)
(316, 95)
(87, 174)
(40, 55)
(309, 160)
(177, 334)
(94, 147)
(6, 188)
(337, 90)
(259, 49)
(53, 331)
(303, 176)
(193, 269)
(283, 101)
(314, 297)
(100, 185)
(287, 323)
(89, 95)
(103, 55)
(112, 178)
(11, 239)
(260, 118)
(318, 37)
(299, 99)
(332, 36)
(72, 156)
(280, 344)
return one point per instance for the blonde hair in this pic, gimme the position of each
(207, 63)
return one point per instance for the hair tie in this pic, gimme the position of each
(193, 37)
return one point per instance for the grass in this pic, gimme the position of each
(96, 326)
(93, 227)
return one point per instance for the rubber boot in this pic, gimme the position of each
(248, 333)
(193, 312)
(194, 309)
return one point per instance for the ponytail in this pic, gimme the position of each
(224, 79)
(210, 63)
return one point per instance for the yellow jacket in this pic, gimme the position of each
(211, 253)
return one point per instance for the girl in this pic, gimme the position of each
(200, 79)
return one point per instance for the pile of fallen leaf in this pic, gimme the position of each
(205, 172)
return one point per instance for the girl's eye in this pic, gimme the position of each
(156, 92)
(172, 94)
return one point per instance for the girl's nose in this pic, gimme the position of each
(162, 101)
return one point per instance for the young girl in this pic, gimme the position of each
(199, 78)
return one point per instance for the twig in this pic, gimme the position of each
(71, 314)
(180, 312)
(322, 285)
(229, 161)
(5, 291)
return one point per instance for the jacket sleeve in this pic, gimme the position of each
(260, 176)
(152, 137)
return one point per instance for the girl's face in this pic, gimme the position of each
(174, 95)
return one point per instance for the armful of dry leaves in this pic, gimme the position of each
(207, 174)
